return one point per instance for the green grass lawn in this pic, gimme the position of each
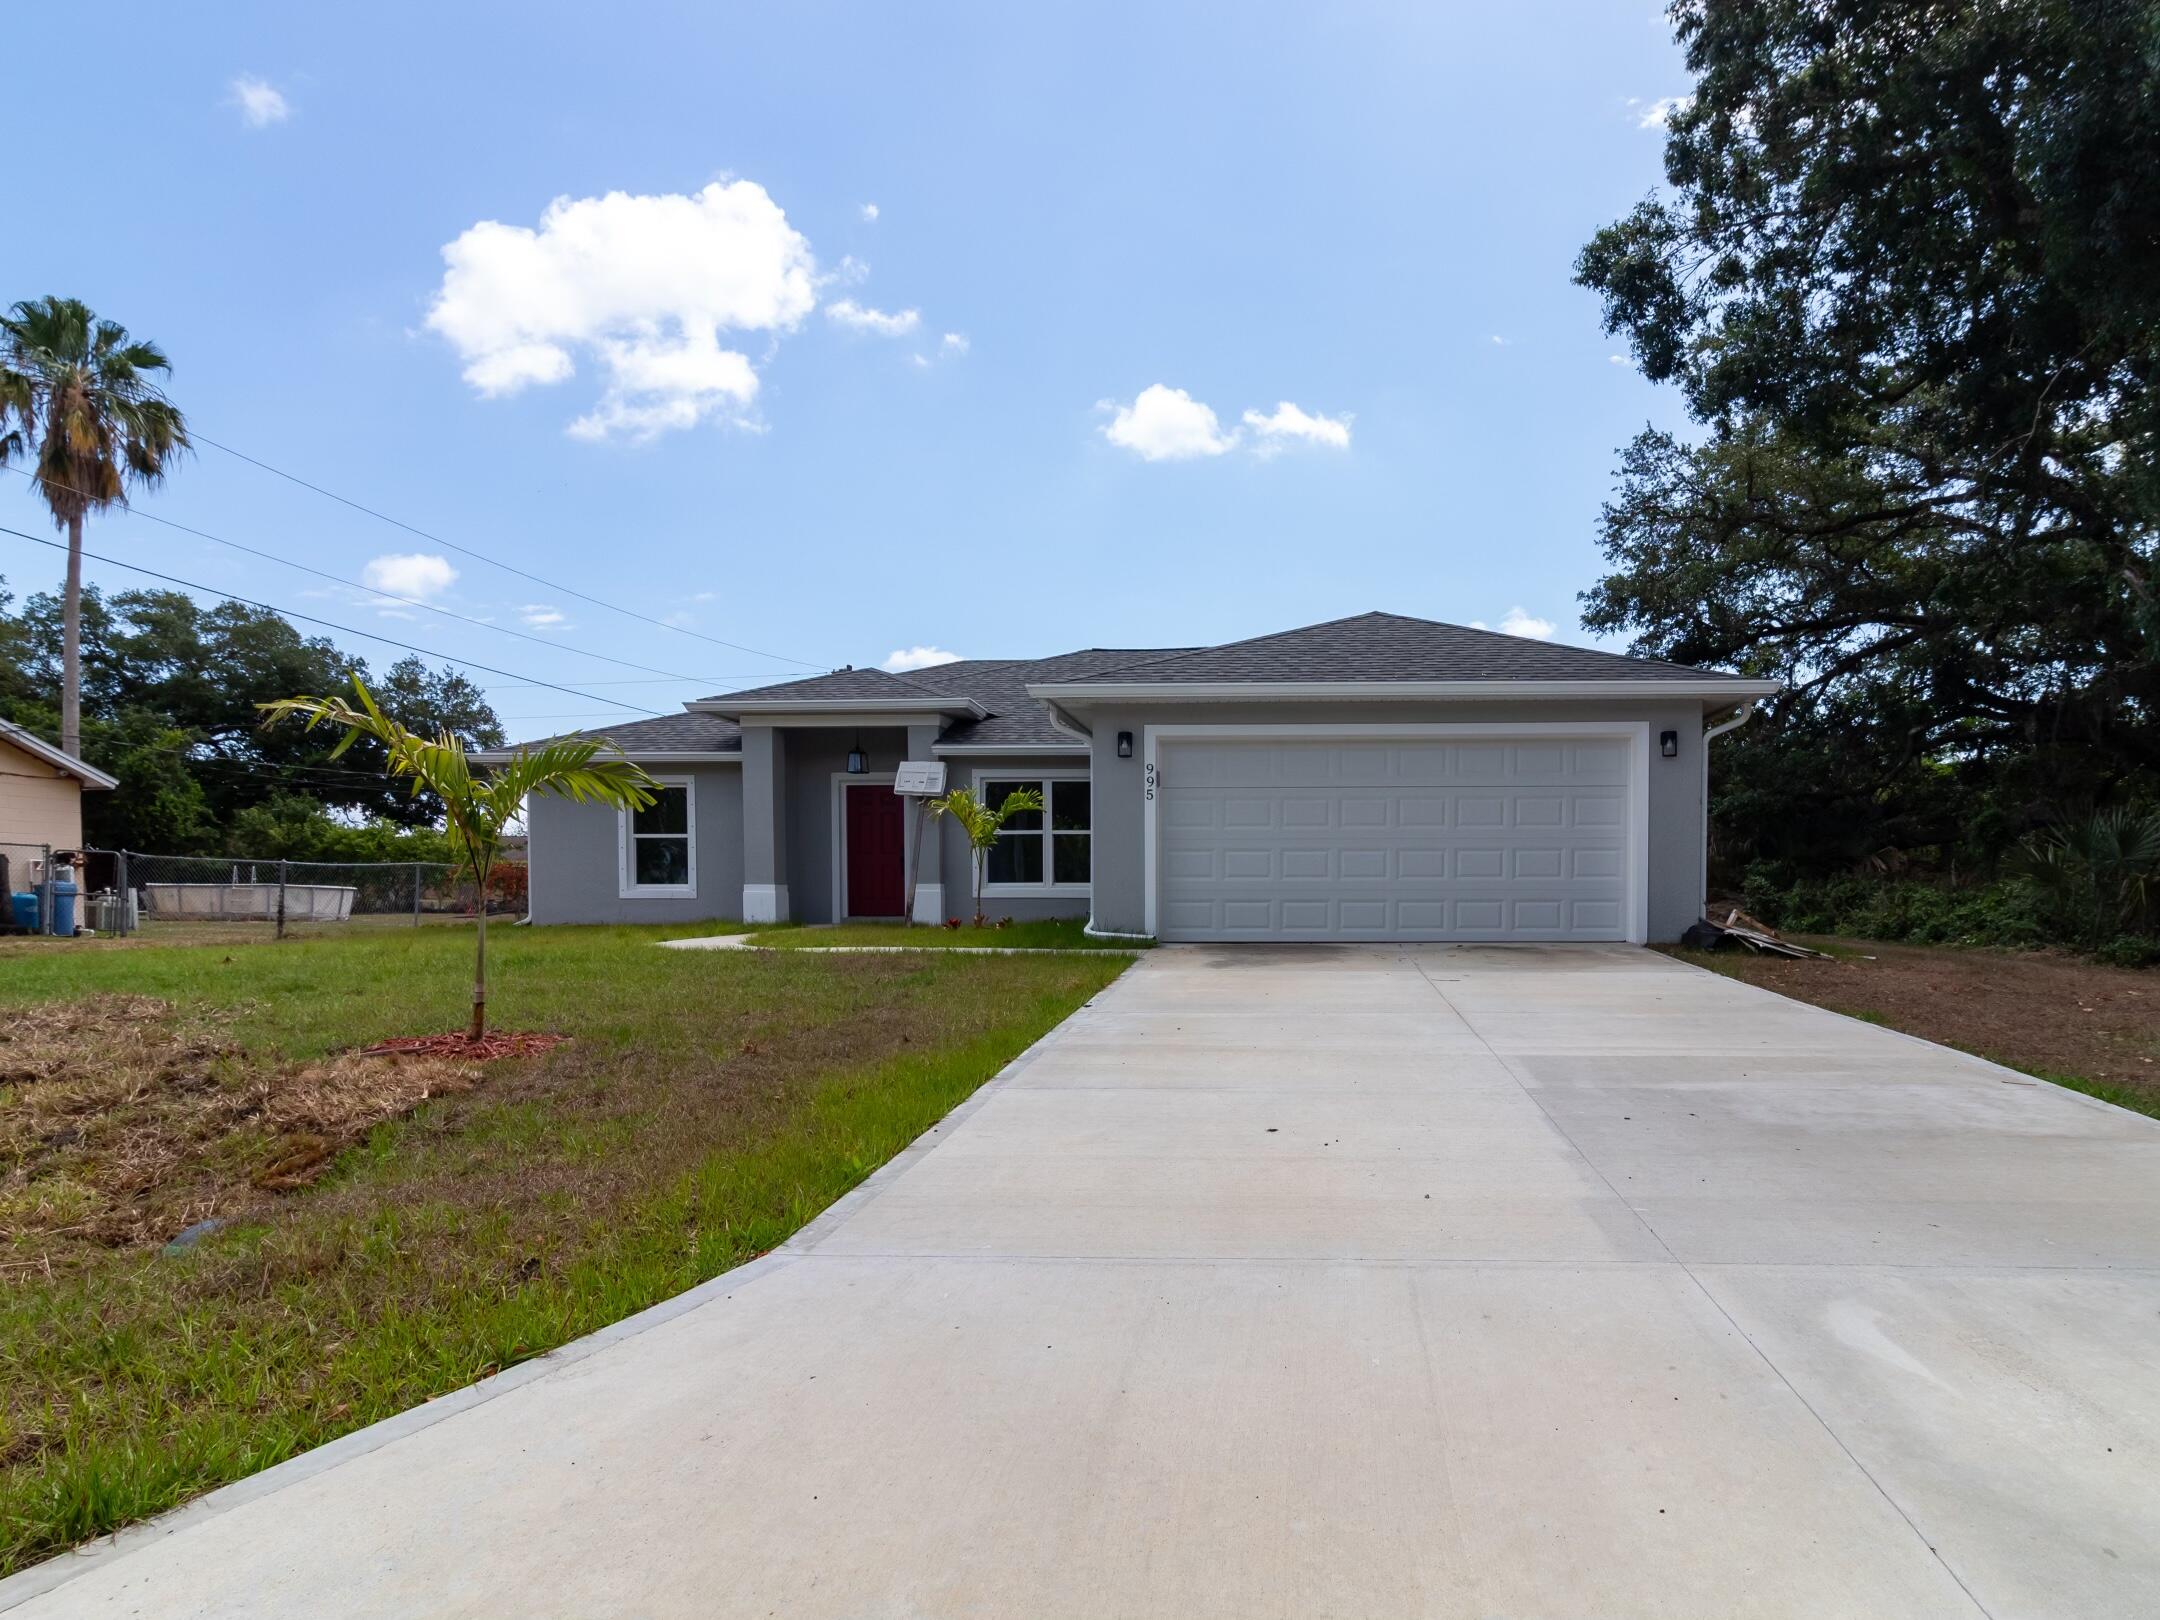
(706, 1107)
(1061, 933)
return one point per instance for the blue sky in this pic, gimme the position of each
(706, 398)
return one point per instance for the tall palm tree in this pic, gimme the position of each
(75, 392)
(476, 812)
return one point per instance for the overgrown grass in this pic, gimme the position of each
(1059, 933)
(708, 1105)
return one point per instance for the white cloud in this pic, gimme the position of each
(869, 213)
(903, 659)
(413, 574)
(1516, 622)
(261, 103)
(955, 343)
(1287, 423)
(1656, 114)
(1498, 341)
(861, 318)
(543, 616)
(644, 286)
(1618, 360)
(1167, 424)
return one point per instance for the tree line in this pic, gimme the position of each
(170, 690)
(1905, 272)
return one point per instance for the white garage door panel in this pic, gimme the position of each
(1490, 839)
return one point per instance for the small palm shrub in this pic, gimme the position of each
(982, 824)
(2098, 876)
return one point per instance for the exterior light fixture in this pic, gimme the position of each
(1124, 745)
(857, 761)
(1668, 744)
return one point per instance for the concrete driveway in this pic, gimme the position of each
(1360, 1282)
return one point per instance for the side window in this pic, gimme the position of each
(1041, 848)
(657, 843)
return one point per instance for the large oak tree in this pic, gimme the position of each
(1906, 272)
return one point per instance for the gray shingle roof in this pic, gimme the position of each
(1391, 647)
(669, 734)
(1367, 647)
(1000, 685)
(840, 685)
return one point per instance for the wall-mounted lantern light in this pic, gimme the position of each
(1124, 745)
(1668, 743)
(857, 761)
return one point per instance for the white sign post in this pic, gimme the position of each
(917, 780)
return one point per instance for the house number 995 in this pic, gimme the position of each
(1151, 779)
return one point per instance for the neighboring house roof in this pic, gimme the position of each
(1005, 703)
(31, 743)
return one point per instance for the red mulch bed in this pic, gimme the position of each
(498, 1043)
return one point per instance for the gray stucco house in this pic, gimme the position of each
(1371, 778)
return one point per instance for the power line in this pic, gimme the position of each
(481, 556)
(518, 686)
(390, 596)
(194, 437)
(328, 624)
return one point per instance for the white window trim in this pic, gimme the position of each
(841, 782)
(1636, 731)
(625, 869)
(1030, 773)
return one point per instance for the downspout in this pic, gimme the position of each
(1063, 720)
(1745, 713)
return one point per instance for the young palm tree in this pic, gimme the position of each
(477, 810)
(981, 824)
(78, 389)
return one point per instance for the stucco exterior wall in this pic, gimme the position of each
(1675, 786)
(39, 804)
(575, 874)
(817, 766)
(574, 847)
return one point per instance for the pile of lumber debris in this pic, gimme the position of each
(1737, 931)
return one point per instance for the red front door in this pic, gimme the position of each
(876, 862)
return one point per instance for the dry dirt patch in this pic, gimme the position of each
(122, 1122)
(2039, 1011)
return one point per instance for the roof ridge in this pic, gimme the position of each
(1248, 641)
(1397, 618)
(1509, 635)
(908, 680)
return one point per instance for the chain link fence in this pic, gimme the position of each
(182, 897)
(25, 893)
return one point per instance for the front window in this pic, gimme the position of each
(658, 847)
(1042, 848)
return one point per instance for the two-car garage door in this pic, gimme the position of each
(1471, 838)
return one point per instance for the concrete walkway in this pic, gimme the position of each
(1357, 1282)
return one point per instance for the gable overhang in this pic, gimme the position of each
(636, 756)
(39, 749)
(1724, 689)
(842, 711)
(1010, 750)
